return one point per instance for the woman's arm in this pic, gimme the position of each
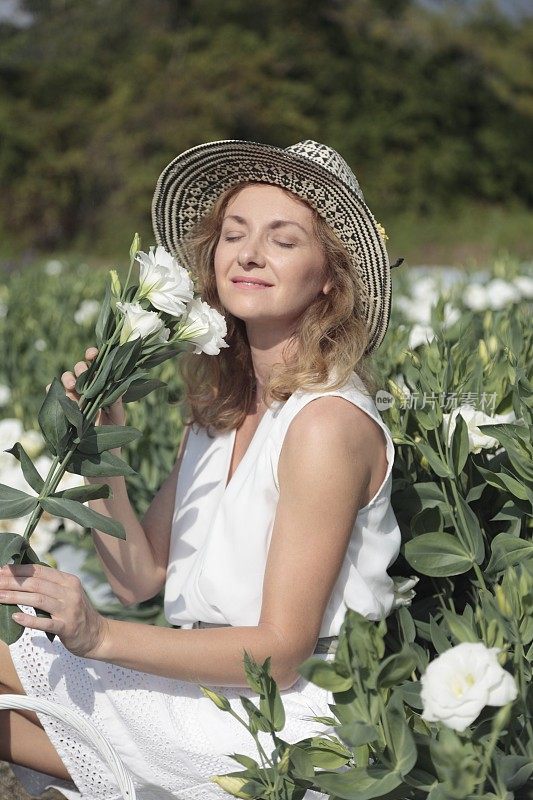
(333, 456)
(136, 567)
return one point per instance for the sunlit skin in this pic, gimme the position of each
(268, 235)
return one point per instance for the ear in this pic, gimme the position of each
(328, 286)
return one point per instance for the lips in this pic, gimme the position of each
(251, 281)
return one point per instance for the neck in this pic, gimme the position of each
(266, 351)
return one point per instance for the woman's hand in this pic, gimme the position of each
(114, 414)
(79, 626)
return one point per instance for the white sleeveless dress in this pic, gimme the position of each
(169, 735)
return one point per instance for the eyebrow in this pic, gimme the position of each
(277, 223)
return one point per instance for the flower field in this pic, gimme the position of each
(436, 701)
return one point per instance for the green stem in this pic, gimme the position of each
(518, 658)
(487, 759)
(132, 262)
(58, 469)
(446, 459)
(262, 755)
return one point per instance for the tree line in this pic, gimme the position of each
(429, 107)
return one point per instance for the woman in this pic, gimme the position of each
(277, 514)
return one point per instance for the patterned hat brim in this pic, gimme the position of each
(189, 186)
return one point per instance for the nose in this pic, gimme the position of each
(251, 253)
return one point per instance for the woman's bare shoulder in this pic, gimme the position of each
(336, 419)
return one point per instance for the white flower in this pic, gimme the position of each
(138, 322)
(166, 284)
(204, 326)
(404, 591)
(40, 345)
(476, 439)
(497, 294)
(475, 297)
(500, 294)
(32, 442)
(5, 395)
(451, 314)
(420, 334)
(10, 432)
(53, 267)
(524, 284)
(462, 681)
(87, 311)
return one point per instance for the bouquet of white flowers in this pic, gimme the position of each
(139, 326)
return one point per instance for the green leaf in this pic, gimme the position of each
(459, 627)
(140, 388)
(507, 551)
(396, 668)
(470, 529)
(438, 555)
(163, 355)
(401, 746)
(118, 389)
(429, 493)
(255, 673)
(361, 783)
(301, 762)
(107, 437)
(325, 674)
(103, 317)
(12, 546)
(514, 770)
(438, 636)
(103, 464)
(28, 468)
(219, 700)
(356, 733)
(245, 761)
(505, 482)
(435, 462)
(14, 503)
(459, 448)
(506, 434)
(15, 549)
(95, 491)
(52, 419)
(407, 626)
(125, 358)
(410, 694)
(257, 720)
(103, 372)
(10, 631)
(271, 705)
(239, 786)
(429, 520)
(326, 753)
(71, 509)
(72, 411)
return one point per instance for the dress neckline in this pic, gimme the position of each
(232, 436)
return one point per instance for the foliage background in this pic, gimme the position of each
(430, 103)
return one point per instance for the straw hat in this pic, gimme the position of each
(189, 186)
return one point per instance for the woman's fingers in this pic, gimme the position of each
(91, 353)
(68, 378)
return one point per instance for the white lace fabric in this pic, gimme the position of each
(170, 737)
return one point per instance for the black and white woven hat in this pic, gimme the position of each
(189, 186)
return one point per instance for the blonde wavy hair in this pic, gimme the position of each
(331, 334)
